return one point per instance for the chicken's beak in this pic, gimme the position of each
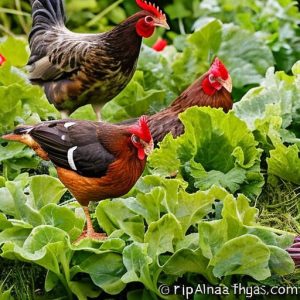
(148, 147)
(162, 22)
(227, 84)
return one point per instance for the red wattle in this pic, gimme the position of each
(143, 29)
(141, 153)
(207, 87)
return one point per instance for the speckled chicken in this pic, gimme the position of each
(94, 160)
(76, 68)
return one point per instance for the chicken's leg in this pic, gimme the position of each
(90, 232)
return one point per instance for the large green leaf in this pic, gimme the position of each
(216, 149)
(14, 150)
(45, 246)
(192, 208)
(210, 35)
(113, 215)
(245, 254)
(235, 244)
(63, 218)
(16, 234)
(4, 223)
(23, 210)
(147, 205)
(277, 88)
(10, 105)
(169, 188)
(137, 263)
(7, 202)
(10, 75)
(45, 189)
(106, 271)
(284, 163)
(162, 235)
(186, 260)
(281, 262)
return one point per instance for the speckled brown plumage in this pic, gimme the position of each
(76, 68)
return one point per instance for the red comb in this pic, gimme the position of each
(150, 7)
(145, 129)
(217, 65)
(141, 129)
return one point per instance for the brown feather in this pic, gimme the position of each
(76, 69)
(120, 157)
(120, 178)
(167, 120)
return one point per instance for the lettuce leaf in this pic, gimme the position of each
(284, 163)
(216, 149)
(157, 236)
(277, 89)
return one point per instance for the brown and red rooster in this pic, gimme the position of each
(212, 89)
(94, 160)
(76, 69)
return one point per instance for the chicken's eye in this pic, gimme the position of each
(149, 19)
(212, 78)
(135, 139)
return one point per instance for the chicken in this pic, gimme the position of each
(94, 160)
(211, 89)
(76, 69)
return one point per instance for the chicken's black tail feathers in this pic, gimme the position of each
(46, 13)
(47, 16)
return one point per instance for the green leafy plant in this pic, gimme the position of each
(275, 22)
(193, 216)
(217, 148)
(178, 232)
